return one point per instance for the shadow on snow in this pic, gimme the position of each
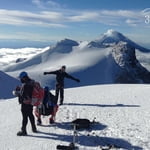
(102, 105)
(87, 138)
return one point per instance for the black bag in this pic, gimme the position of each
(53, 99)
(46, 110)
(49, 102)
(82, 123)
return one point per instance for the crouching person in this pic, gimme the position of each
(49, 107)
(25, 96)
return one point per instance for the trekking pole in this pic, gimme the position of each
(74, 136)
(72, 144)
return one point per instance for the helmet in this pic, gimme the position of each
(23, 74)
(46, 88)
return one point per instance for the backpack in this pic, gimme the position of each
(48, 104)
(82, 123)
(37, 94)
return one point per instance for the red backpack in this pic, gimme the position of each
(37, 94)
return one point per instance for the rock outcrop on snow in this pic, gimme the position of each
(18, 60)
(129, 68)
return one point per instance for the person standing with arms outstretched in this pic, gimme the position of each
(60, 75)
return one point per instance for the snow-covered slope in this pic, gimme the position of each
(122, 113)
(61, 49)
(7, 84)
(80, 62)
(143, 59)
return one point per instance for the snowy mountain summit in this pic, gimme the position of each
(64, 46)
(112, 37)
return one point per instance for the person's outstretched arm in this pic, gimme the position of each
(51, 72)
(71, 77)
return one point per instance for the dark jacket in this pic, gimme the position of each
(60, 75)
(26, 91)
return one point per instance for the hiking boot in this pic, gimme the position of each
(51, 120)
(39, 122)
(22, 133)
(61, 103)
(34, 130)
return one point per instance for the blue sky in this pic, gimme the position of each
(40, 22)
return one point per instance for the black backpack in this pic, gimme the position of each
(82, 123)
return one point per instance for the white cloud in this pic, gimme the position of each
(61, 18)
(53, 4)
(84, 16)
(45, 19)
(46, 4)
(37, 2)
(132, 22)
(109, 17)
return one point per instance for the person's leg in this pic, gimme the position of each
(37, 113)
(53, 114)
(23, 131)
(31, 118)
(61, 95)
(57, 91)
(24, 118)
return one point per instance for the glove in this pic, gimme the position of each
(77, 80)
(45, 73)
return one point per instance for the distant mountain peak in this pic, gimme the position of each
(111, 32)
(109, 38)
(68, 41)
(112, 37)
(65, 46)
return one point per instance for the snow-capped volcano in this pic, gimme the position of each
(112, 37)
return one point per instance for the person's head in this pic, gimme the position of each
(46, 88)
(63, 68)
(46, 91)
(23, 76)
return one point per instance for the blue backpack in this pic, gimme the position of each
(49, 102)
